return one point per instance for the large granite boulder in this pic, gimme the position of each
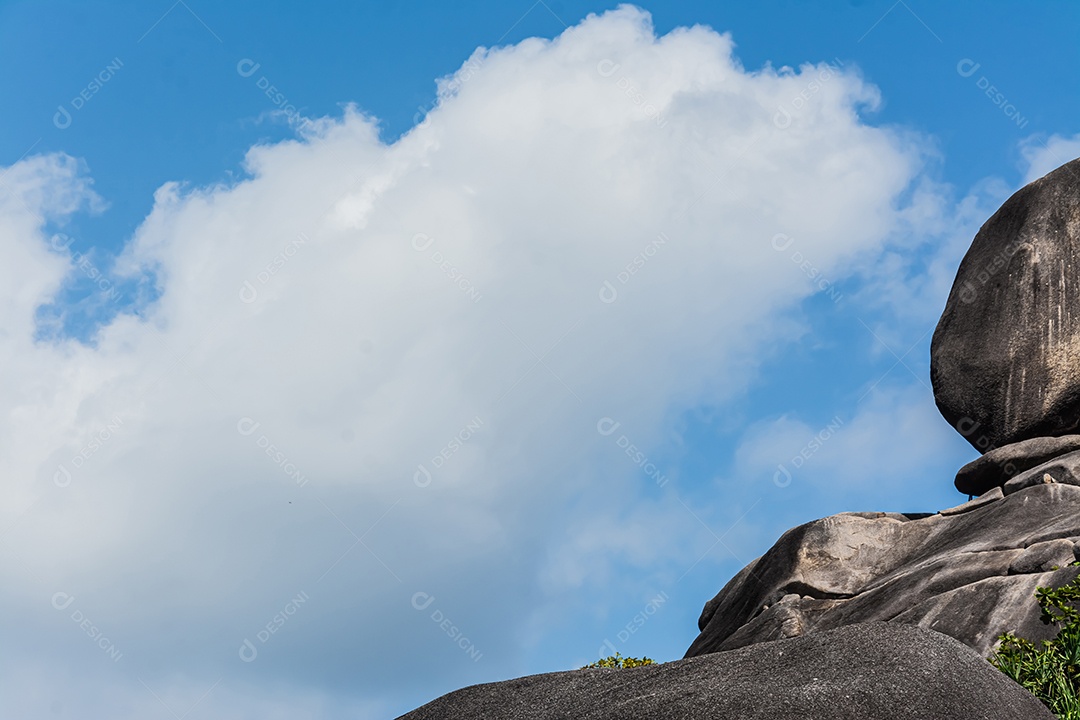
(859, 672)
(969, 572)
(1005, 357)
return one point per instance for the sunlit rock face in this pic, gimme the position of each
(969, 572)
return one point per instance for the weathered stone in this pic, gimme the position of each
(1043, 557)
(985, 499)
(997, 466)
(950, 573)
(874, 671)
(1064, 469)
(1005, 357)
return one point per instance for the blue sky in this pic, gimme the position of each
(360, 354)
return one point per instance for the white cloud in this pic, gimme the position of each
(1041, 155)
(894, 447)
(364, 304)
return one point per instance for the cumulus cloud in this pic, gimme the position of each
(369, 371)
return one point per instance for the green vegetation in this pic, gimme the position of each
(1051, 669)
(618, 661)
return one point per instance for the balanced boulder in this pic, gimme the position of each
(1005, 356)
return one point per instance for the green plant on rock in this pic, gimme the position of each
(618, 661)
(1050, 670)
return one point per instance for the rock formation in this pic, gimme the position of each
(969, 572)
(1005, 357)
(798, 632)
(1005, 365)
(1041, 456)
(873, 671)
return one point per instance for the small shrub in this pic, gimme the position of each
(1051, 669)
(618, 661)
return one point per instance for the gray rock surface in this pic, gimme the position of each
(969, 572)
(999, 465)
(859, 672)
(1005, 356)
(1062, 469)
(985, 499)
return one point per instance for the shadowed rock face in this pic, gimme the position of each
(1005, 357)
(969, 572)
(860, 672)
